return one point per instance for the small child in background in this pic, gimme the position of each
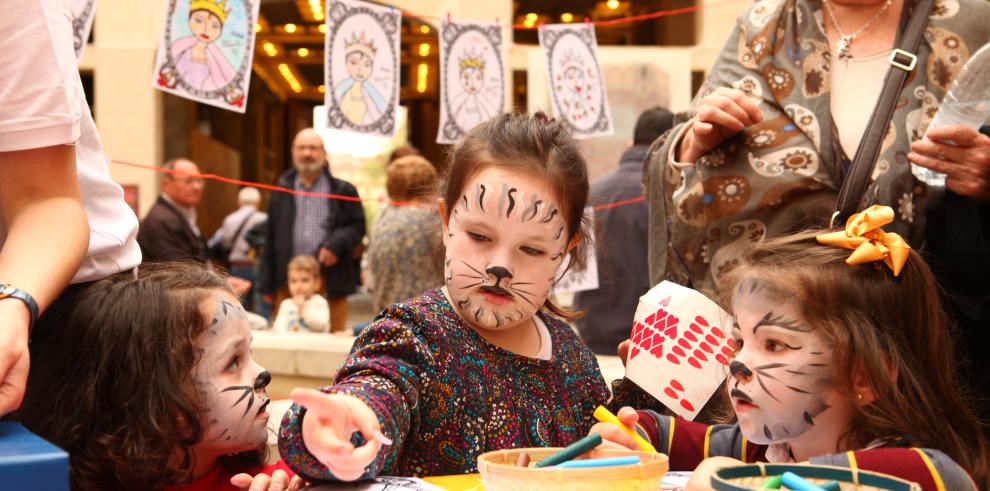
(836, 364)
(480, 364)
(153, 387)
(305, 309)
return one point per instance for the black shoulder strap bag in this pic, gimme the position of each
(903, 59)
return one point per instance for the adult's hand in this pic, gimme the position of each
(327, 257)
(962, 154)
(327, 426)
(14, 357)
(278, 481)
(719, 115)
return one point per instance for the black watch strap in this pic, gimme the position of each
(11, 291)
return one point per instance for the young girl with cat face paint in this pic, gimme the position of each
(836, 364)
(478, 364)
(154, 387)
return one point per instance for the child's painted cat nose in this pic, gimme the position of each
(499, 272)
(264, 378)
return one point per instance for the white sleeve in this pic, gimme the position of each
(316, 314)
(40, 90)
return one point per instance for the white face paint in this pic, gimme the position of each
(505, 241)
(232, 384)
(781, 381)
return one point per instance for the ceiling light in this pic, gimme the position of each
(424, 49)
(422, 72)
(303, 52)
(612, 4)
(290, 28)
(567, 17)
(531, 17)
(323, 28)
(425, 29)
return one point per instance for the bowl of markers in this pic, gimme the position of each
(577, 467)
(799, 477)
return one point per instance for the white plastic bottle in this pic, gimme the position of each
(967, 103)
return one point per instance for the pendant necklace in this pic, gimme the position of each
(844, 45)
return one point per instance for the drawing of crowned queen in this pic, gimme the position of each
(359, 100)
(471, 108)
(576, 94)
(199, 62)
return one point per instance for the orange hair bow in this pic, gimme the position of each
(868, 241)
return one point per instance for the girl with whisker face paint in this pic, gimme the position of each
(154, 387)
(836, 363)
(477, 364)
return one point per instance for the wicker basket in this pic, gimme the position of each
(751, 477)
(499, 473)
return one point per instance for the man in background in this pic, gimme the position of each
(169, 231)
(623, 273)
(327, 229)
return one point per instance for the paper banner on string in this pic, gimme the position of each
(362, 67)
(680, 347)
(570, 279)
(82, 24)
(205, 51)
(577, 87)
(472, 77)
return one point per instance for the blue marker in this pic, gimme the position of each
(798, 483)
(611, 461)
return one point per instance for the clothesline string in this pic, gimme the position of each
(602, 23)
(280, 189)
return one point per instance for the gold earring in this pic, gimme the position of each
(859, 397)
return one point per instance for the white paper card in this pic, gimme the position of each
(472, 77)
(680, 347)
(573, 281)
(577, 87)
(361, 68)
(381, 483)
(205, 51)
(82, 23)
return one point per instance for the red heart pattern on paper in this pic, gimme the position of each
(649, 335)
(659, 336)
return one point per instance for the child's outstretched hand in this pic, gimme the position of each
(613, 436)
(278, 481)
(327, 427)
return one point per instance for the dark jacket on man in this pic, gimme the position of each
(165, 235)
(623, 273)
(346, 230)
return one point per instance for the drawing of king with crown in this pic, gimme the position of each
(199, 62)
(359, 100)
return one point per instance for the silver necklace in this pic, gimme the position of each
(844, 45)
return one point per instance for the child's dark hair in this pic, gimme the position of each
(535, 145)
(116, 391)
(892, 329)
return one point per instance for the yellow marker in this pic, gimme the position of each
(606, 416)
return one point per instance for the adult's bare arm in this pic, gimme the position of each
(47, 238)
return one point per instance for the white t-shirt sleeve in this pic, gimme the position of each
(286, 312)
(40, 93)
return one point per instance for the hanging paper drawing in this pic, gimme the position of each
(680, 347)
(472, 77)
(362, 67)
(577, 88)
(82, 24)
(205, 51)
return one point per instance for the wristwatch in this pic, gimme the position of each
(12, 291)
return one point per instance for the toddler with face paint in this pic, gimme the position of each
(154, 387)
(836, 364)
(478, 364)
